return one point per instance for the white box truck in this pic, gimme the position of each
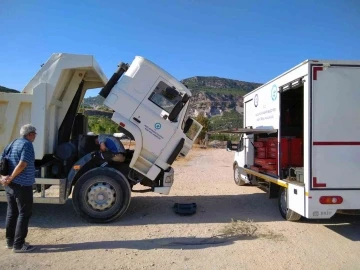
(150, 106)
(301, 138)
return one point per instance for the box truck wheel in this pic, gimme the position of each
(101, 195)
(285, 212)
(237, 176)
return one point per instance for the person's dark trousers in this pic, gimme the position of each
(19, 211)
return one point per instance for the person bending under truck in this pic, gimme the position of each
(111, 147)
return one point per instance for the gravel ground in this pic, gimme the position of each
(234, 228)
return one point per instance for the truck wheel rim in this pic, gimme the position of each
(101, 196)
(283, 204)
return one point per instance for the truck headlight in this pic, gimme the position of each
(169, 179)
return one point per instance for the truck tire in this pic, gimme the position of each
(101, 195)
(237, 179)
(285, 212)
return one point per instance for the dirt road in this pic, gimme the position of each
(152, 236)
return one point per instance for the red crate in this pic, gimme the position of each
(261, 155)
(261, 149)
(272, 144)
(272, 149)
(254, 168)
(265, 161)
(262, 139)
(291, 152)
(259, 144)
(296, 157)
(272, 155)
(269, 167)
(284, 153)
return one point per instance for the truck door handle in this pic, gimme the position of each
(137, 120)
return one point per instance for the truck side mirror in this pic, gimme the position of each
(231, 147)
(188, 124)
(185, 98)
(175, 112)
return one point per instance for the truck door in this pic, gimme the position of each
(335, 127)
(152, 118)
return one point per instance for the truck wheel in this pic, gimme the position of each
(101, 195)
(237, 177)
(285, 212)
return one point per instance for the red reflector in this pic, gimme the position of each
(122, 124)
(331, 200)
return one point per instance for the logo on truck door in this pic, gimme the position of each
(256, 100)
(157, 126)
(274, 92)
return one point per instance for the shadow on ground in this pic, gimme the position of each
(184, 243)
(347, 226)
(145, 210)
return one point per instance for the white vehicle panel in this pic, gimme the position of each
(336, 128)
(296, 198)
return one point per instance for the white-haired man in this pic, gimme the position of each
(18, 186)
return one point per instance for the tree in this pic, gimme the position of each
(204, 121)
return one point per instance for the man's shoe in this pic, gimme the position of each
(10, 246)
(25, 248)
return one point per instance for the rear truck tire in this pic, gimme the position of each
(237, 178)
(285, 212)
(101, 195)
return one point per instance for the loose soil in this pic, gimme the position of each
(234, 228)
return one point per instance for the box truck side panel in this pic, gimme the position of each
(335, 127)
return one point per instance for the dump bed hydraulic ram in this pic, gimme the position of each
(114, 79)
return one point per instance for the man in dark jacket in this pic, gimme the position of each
(18, 186)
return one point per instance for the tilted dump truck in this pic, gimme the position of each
(301, 139)
(150, 106)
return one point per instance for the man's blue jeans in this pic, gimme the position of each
(19, 211)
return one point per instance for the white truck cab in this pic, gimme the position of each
(149, 105)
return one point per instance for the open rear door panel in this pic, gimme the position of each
(335, 127)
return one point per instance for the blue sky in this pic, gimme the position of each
(245, 40)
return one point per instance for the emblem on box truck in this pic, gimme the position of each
(274, 92)
(157, 126)
(256, 100)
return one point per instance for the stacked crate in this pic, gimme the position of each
(266, 154)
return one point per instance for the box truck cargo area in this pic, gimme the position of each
(301, 139)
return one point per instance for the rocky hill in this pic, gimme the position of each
(214, 95)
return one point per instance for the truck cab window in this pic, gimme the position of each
(165, 97)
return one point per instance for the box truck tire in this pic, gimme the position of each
(285, 212)
(101, 195)
(237, 176)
